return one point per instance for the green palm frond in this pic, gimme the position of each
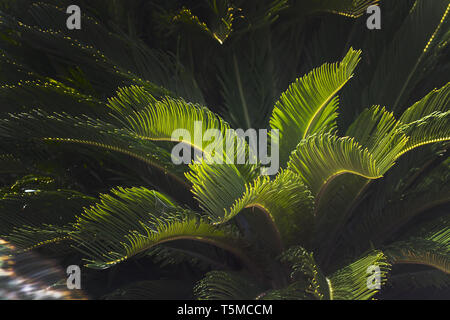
(427, 121)
(436, 100)
(309, 105)
(221, 285)
(86, 132)
(377, 130)
(348, 8)
(401, 65)
(428, 247)
(351, 282)
(286, 202)
(39, 207)
(153, 290)
(420, 251)
(430, 129)
(132, 221)
(50, 94)
(321, 158)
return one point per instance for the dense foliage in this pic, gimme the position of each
(86, 176)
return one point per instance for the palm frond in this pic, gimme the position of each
(153, 290)
(286, 202)
(350, 282)
(430, 247)
(377, 130)
(132, 221)
(321, 158)
(221, 285)
(435, 100)
(307, 280)
(309, 105)
(86, 132)
(347, 8)
(430, 129)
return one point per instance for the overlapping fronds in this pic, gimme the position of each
(131, 221)
(436, 100)
(401, 66)
(408, 282)
(179, 121)
(286, 202)
(321, 158)
(108, 59)
(84, 131)
(153, 290)
(34, 212)
(309, 105)
(223, 20)
(351, 282)
(388, 210)
(377, 130)
(221, 285)
(427, 121)
(307, 280)
(216, 187)
(38, 207)
(226, 17)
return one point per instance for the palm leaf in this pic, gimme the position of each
(132, 221)
(430, 247)
(221, 285)
(307, 280)
(377, 130)
(435, 100)
(87, 132)
(320, 159)
(309, 105)
(350, 282)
